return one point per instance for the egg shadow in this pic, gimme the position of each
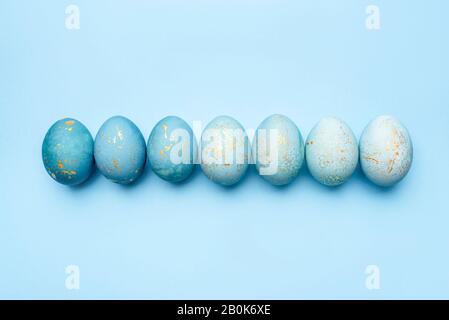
(190, 179)
(249, 175)
(302, 180)
(140, 180)
(338, 189)
(360, 178)
(94, 176)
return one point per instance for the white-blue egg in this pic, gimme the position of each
(224, 151)
(278, 150)
(386, 151)
(332, 152)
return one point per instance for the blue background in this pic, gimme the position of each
(197, 60)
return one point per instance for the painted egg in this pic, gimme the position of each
(172, 149)
(68, 152)
(278, 150)
(332, 152)
(386, 151)
(224, 151)
(120, 150)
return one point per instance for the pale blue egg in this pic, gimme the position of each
(120, 150)
(224, 151)
(68, 152)
(172, 149)
(278, 150)
(332, 152)
(386, 151)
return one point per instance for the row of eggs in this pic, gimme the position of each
(331, 151)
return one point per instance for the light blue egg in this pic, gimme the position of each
(120, 150)
(67, 152)
(224, 151)
(278, 150)
(172, 149)
(386, 151)
(332, 152)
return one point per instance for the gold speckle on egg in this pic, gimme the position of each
(116, 164)
(372, 159)
(69, 173)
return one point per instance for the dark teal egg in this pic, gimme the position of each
(67, 152)
(120, 150)
(172, 149)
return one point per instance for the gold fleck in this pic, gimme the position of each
(116, 164)
(372, 159)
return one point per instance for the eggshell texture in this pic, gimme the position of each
(332, 152)
(67, 152)
(120, 150)
(278, 150)
(386, 151)
(224, 151)
(168, 141)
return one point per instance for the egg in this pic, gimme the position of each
(172, 149)
(278, 150)
(332, 152)
(120, 150)
(224, 151)
(68, 152)
(386, 151)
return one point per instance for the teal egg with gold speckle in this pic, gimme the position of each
(225, 151)
(120, 150)
(278, 150)
(67, 152)
(332, 152)
(172, 149)
(386, 151)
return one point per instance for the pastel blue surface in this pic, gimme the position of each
(169, 135)
(199, 59)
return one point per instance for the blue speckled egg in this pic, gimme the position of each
(224, 151)
(120, 150)
(172, 149)
(386, 151)
(68, 152)
(278, 150)
(332, 152)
